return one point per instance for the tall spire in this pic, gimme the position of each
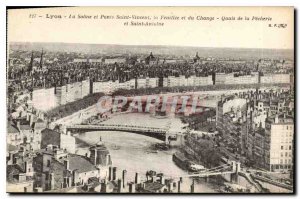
(30, 66)
(41, 60)
(151, 55)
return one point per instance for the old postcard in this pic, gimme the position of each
(150, 100)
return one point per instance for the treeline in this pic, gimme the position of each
(72, 107)
(180, 89)
(199, 120)
(204, 151)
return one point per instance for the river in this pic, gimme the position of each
(135, 155)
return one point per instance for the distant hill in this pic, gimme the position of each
(244, 53)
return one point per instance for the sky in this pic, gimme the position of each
(198, 33)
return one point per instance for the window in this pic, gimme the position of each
(290, 147)
(48, 163)
(281, 147)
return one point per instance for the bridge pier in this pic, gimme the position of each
(226, 177)
(206, 178)
(178, 142)
(193, 187)
(236, 168)
(233, 177)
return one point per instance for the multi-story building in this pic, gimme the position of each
(203, 81)
(114, 60)
(60, 139)
(141, 83)
(279, 141)
(80, 60)
(19, 171)
(275, 78)
(269, 130)
(103, 87)
(231, 123)
(231, 78)
(14, 137)
(57, 169)
(71, 92)
(151, 82)
(172, 81)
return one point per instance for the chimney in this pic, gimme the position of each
(131, 187)
(69, 181)
(174, 185)
(169, 187)
(11, 157)
(137, 178)
(65, 184)
(15, 160)
(119, 185)
(181, 180)
(103, 187)
(124, 173)
(51, 177)
(162, 179)
(26, 166)
(114, 174)
(66, 164)
(192, 187)
(93, 156)
(74, 175)
(178, 188)
(109, 173)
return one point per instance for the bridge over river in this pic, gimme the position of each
(163, 134)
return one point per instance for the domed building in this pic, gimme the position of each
(99, 155)
(196, 58)
(150, 60)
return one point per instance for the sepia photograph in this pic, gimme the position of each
(150, 100)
